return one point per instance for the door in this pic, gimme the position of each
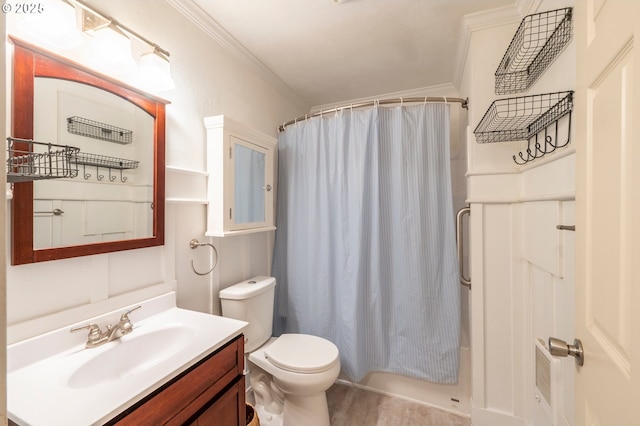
(607, 129)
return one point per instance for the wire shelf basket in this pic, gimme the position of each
(96, 130)
(89, 159)
(29, 160)
(538, 40)
(515, 119)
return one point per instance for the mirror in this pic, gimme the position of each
(116, 201)
(249, 179)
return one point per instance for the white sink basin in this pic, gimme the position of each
(131, 354)
(54, 380)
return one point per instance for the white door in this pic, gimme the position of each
(607, 138)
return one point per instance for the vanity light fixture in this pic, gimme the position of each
(55, 29)
(111, 50)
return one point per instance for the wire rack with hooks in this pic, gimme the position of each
(29, 160)
(537, 42)
(532, 118)
(98, 161)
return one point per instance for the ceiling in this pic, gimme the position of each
(327, 51)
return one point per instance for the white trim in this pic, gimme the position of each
(482, 21)
(564, 152)
(175, 200)
(182, 170)
(559, 196)
(213, 29)
(485, 20)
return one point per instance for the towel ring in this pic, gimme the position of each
(195, 244)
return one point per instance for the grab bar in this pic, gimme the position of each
(461, 213)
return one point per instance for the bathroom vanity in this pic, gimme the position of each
(177, 367)
(212, 389)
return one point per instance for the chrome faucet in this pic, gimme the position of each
(97, 337)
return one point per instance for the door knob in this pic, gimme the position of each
(559, 347)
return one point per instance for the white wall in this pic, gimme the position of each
(521, 265)
(209, 81)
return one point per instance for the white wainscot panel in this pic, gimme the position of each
(550, 179)
(131, 270)
(541, 238)
(498, 310)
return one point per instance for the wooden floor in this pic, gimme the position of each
(353, 406)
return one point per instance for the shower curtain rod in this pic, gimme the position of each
(464, 103)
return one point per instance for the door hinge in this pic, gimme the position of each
(229, 152)
(230, 213)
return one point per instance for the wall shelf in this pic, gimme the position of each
(29, 160)
(96, 130)
(537, 42)
(527, 118)
(102, 161)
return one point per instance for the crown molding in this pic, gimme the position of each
(486, 20)
(195, 14)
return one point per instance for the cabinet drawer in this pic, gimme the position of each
(184, 396)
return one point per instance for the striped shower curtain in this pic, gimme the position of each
(365, 251)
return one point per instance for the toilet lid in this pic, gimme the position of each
(302, 353)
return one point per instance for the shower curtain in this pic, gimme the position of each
(365, 253)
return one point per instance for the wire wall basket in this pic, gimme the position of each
(538, 40)
(98, 161)
(515, 119)
(528, 118)
(29, 160)
(96, 130)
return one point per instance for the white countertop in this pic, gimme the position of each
(42, 389)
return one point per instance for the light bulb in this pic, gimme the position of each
(154, 73)
(110, 52)
(54, 28)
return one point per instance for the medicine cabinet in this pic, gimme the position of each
(240, 164)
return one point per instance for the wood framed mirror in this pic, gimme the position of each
(145, 186)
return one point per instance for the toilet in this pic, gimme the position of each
(289, 374)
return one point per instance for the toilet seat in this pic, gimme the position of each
(302, 353)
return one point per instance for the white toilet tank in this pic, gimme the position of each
(251, 301)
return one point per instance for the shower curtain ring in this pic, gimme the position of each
(195, 244)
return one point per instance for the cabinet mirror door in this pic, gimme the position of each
(251, 184)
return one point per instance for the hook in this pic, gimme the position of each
(551, 143)
(195, 244)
